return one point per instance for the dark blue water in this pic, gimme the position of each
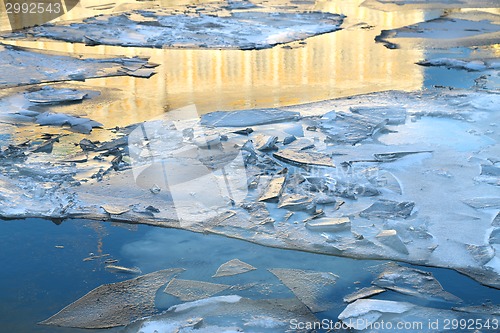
(39, 279)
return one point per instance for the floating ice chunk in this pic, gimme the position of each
(227, 314)
(363, 293)
(82, 125)
(115, 304)
(391, 239)
(247, 117)
(233, 267)
(412, 282)
(241, 4)
(394, 115)
(242, 30)
(454, 29)
(384, 316)
(387, 209)
(312, 288)
(473, 65)
(304, 159)
(364, 312)
(189, 290)
(329, 224)
(273, 190)
(23, 66)
(51, 95)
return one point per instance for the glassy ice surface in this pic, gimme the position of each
(377, 141)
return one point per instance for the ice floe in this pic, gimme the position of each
(227, 314)
(114, 304)
(367, 315)
(452, 30)
(23, 66)
(159, 28)
(412, 282)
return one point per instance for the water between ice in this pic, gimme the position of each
(43, 268)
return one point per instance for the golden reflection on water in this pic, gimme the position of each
(342, 63)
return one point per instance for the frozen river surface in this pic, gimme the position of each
(244, 166)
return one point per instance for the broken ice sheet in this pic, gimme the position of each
(367, 315)
(51, 95)
(158, 28)
(273, 190)
(227, 314)
(189, 290)
(413, 282)
(78, 124)
(456, 29)
(115, 304)
(469, 65)
(23, 66)
(233, 267)
(424, 233)
(314, 289)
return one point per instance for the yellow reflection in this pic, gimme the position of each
(332, 65)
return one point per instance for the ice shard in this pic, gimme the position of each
(115, 304)
(312, 288)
